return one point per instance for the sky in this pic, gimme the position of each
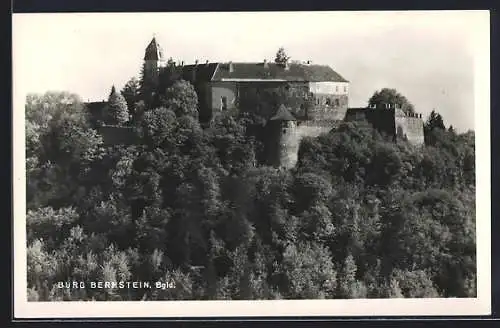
(429, 57)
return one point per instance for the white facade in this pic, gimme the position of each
(331, 88)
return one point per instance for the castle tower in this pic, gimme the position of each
(284, 141)
(153, 62)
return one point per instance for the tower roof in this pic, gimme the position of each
(283, 114)
(153, 51)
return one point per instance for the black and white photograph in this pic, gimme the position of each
(300, 163)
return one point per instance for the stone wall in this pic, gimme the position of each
(289, 144)
(118, 135)
(330, 100)
(263, 98)
(285, 137)
(411, 129)
(328, 107)
(391, 122)
(220, 90)
(204, 93)
(314, 129)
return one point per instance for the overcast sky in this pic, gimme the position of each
(427, 56)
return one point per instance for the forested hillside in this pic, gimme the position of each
(359, 216)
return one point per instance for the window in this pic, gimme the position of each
(337, 88)
(345, 89)
(223, 102)
(328, 101)
(337, 102)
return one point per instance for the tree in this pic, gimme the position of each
(131, 93)
(281, 57)
(61, 148)
(308, 272)
(182, 99)
(359, 216)
(388, 96)
(116, 111)
(435, 121)
(235, 150)
(435, 131)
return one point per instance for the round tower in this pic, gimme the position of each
(153, 62)
(284, 140)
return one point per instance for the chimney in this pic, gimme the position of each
(182, 63)
(196, 62)
(206, 63)
(231, 68)
(265, 63)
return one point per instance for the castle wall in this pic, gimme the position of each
(118, 135)
(204, 93)
(152, 71)
(410, 128)
(282, 143)
(285, 137)
(382, 120)
(331, 88)
(289, 149)
(392, 122)
(328, 107)
(330, 100)
(313, 129)
(220, 90)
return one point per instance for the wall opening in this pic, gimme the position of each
(223, 102)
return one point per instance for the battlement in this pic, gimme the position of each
(390, 119)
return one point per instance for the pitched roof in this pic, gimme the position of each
(153, 51)
(272, 71)
(200, 72)
(283, 114)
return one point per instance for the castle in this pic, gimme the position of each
(320, 100)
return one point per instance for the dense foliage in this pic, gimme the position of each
(358, 217)
(281, 56)
(389, 96)
(116, 111)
